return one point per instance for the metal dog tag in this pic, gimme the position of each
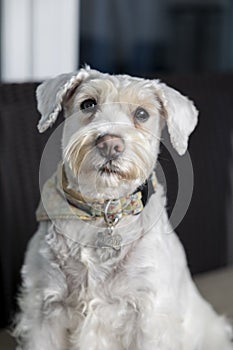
(108, 240)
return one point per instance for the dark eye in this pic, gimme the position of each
(88, 105)
(141, 115)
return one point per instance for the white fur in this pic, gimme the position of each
(77, 297)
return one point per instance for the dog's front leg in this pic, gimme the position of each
(42, 328)
(49, 336)
(42, 321)
(95, 335)
(114, 326)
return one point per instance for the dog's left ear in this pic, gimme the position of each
(180, 115)
(52, 93)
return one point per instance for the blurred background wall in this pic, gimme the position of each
(39, 39)
(43, 38)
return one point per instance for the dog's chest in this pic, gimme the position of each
(88, 280)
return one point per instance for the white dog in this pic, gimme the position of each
(104, 270)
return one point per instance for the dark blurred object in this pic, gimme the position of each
(207, 229)
(141, 37)
(21, 147)
(202, 35)
(124, 36)
(203, 230)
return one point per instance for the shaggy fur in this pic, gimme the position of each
(78, 296)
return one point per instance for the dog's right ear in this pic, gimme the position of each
(51, 94)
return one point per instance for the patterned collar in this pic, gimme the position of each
(60, 202)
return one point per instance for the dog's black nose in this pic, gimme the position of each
(110, 146)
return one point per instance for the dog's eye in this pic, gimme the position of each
(88, 105)
(141, 115)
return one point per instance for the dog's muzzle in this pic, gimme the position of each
(110, 146)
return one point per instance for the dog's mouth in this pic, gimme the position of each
(110, 169)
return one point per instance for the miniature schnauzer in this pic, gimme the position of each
(105, 270)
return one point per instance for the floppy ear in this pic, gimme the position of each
(181, 116)
(51, 94)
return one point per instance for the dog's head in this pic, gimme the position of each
(113, 127)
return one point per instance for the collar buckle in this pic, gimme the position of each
(111, 219)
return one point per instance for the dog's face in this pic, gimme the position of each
(113, 137)
(113, 126)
